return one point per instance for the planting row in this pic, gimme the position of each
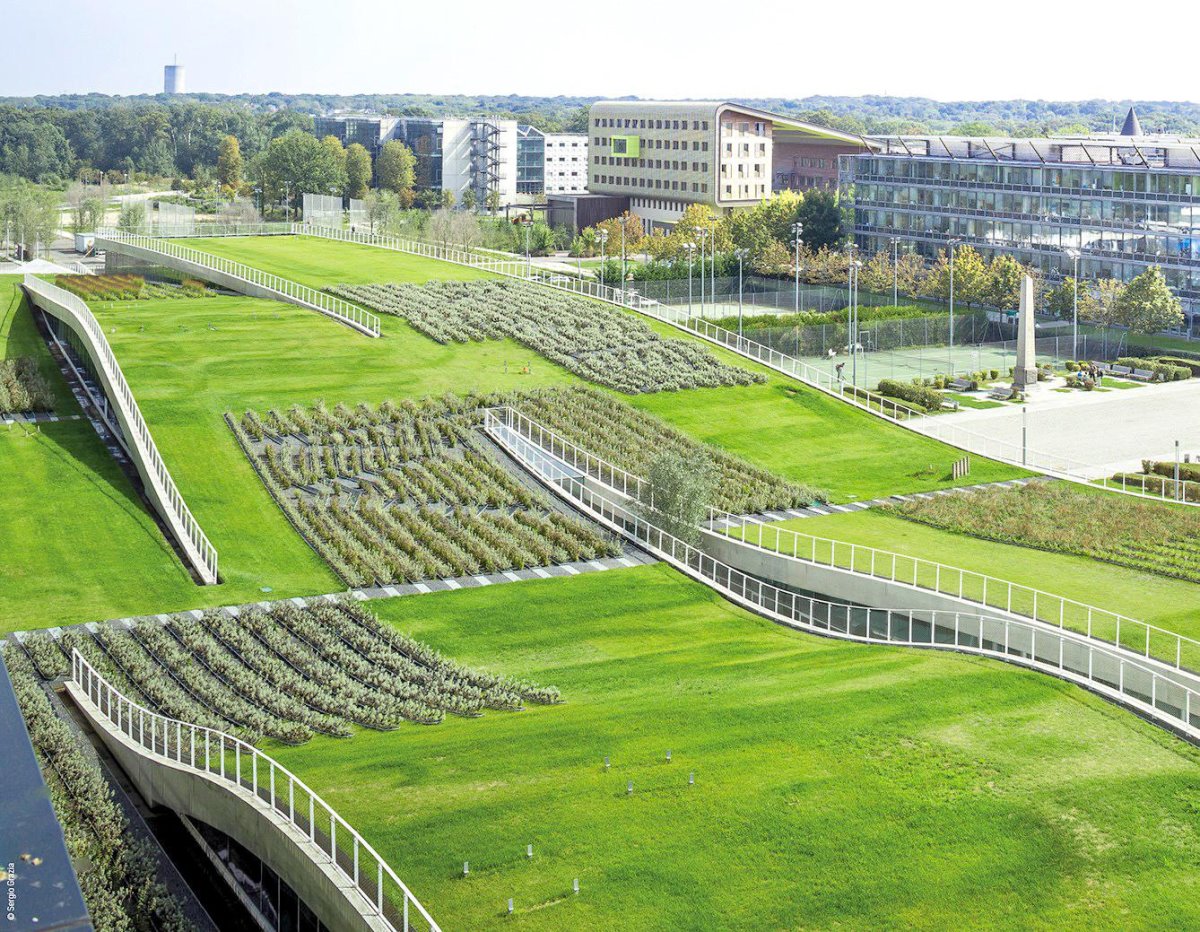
(129, 288)
(632, 439)
(402, 493)
(23, 388)
(120, 887)
(285, 673)
(1054, 516)
(598, 342)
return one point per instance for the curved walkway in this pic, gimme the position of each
(1104, 668)
(238, 789)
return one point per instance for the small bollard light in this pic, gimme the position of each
(629, 788)
(606, 762)
(510, 905)
(529, 851)
(692, 779)
(575, 885)
(668, 755)
(466, 868)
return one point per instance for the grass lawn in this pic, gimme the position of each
(837, 785)
(320, 263)
(19, 337)
(970, 401)
(1173, 604)
(797, 432)
(810, 437)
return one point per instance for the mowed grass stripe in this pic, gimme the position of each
(837, 785)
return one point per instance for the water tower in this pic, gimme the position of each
(173, 78)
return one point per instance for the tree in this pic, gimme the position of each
(876, 273)
(1106, 297)
(470, 199)
(229, 163)
(86, 206)
(1146, 305)
(493, 200)
(358, 171)
(133, 217)
(383, 210)
(30, 214)
(464, 229)
(441, 226)
(396, 167)
(1005, 275)
(1060, 300)
(678, 492)
(447, 199)
(337, 159)
(821, 215)
(298, 163)
(970, 277)
(613, 226)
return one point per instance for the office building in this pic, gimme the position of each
(664, 155)
(531, 161)
(566, 169)
(1123, 202)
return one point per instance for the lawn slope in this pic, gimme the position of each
(837, 785)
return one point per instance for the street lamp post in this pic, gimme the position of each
(798, 237)
(895, 271)
(622, 260)
(953, 243)
(602, 235)
(741, 258)
(1073, 254)
(855, 266)
(691, 253)
(703, 236)
(713, 267)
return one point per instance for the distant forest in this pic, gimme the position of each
(54, 138)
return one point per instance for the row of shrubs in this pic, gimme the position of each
(915, 392)
(1187, 471)
(1165, 368)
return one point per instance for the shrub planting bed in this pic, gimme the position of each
(632, 439)
(129, 288)
(284, 672)
(120, 886)
(1163, 371)
(23, 388)
(597, 342)
(926, 397)
(401, 493)
(1054, 516)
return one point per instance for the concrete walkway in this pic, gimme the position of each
(1107, 432)
(819, 511)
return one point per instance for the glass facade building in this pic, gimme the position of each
(1124, 203)
(531, 160)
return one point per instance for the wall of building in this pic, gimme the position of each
(799, 164)
(566, 165)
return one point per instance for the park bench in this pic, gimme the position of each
(1104, 366)
(1123, 371)
(1000, 393)
(1144, 375)
(961, 385)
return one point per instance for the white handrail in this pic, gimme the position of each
(60, 302)
(350, 314)
(1152, 642)
(274, 787)
(879, 405)
(1062, 653)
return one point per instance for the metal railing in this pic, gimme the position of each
(200, 553)
(897, 412)
(350, 314)
(1064, 653)
(275, 789)
(1111, 628)
(1150, 641)
(203, 230)
(630, 300)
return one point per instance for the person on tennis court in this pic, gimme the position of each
(839, 367)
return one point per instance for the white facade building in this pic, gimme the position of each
(566, 163)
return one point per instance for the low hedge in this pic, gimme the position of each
(1156, 485)
(1192, 364)
(1188, 471)
(1164, 371)
(926, 397)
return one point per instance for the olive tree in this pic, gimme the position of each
(678, 492)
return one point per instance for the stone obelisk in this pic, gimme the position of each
(1025, 371)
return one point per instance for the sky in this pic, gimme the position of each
(665, 49)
